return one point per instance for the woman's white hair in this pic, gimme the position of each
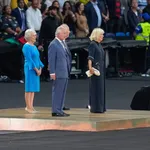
(96, 33)
(61, 28)
(28, 34)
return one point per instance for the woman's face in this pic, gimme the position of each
(33, 37)
(56, 4)
(81, 7)
(67, 6)
(8, 10)
(101, 37)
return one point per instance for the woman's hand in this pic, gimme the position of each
(91, 70)
(38, 71)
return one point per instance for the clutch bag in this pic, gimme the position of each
(96, 72)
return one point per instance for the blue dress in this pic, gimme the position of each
(32, 60)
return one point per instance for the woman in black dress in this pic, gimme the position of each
(96, 59)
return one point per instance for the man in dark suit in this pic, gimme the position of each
(19, 14)
(59, 61)
(50, 24)
(93, 14)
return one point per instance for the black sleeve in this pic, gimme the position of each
(42, 32)
(91, 50)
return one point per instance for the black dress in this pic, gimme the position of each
(97, 83)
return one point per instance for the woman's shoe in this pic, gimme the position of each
(35, 110)
(29, 111)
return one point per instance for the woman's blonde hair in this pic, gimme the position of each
(96, 33)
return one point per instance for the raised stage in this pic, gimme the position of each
(79, 120)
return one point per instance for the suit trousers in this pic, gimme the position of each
(59, 88)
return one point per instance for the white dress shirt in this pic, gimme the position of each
(34, 18)
(98, 12)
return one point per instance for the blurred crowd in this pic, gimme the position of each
(82, 16)
(123, 17)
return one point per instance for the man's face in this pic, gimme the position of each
(21, 4)
(64, 34)
(35, 4)
(53, 12)
(134, 4)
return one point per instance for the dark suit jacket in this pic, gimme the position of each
(17, 15)
(133, 20)
(91, 15)
(59, 60)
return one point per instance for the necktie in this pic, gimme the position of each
(23, 20)
(65, 46)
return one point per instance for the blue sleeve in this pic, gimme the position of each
(27, 52)
(138, 29)
(52, 55)
(41, 64)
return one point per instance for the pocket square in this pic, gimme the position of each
(96, 72)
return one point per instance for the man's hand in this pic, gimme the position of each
(53, 76)
(40, 48)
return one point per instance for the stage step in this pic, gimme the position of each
(18, 119)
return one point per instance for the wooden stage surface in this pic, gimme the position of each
(79, 120)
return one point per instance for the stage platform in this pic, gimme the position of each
(80, 120)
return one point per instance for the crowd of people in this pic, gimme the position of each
(50, 23)
(82, 16)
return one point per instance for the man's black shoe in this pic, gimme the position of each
(59, 115)
(66, 108)
(66, 114)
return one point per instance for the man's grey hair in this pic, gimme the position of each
(28, 34)
(61, 28)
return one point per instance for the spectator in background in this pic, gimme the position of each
(14, 3)
(20, 15)
(105, 14)
(134, 16)
(142, 4)
(84, 1)
(59, 15)
(147, 8)
(47, 34)
(93, 14)
(34, 16)
(61, 3)
(44, 10)
(69, 17)
(10, 26)
(115, 14)
(5, 2)
(82, 29)
(48, 3)
(143, 29)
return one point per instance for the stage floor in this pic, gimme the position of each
(79, 120)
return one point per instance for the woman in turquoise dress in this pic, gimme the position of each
(32, 69)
